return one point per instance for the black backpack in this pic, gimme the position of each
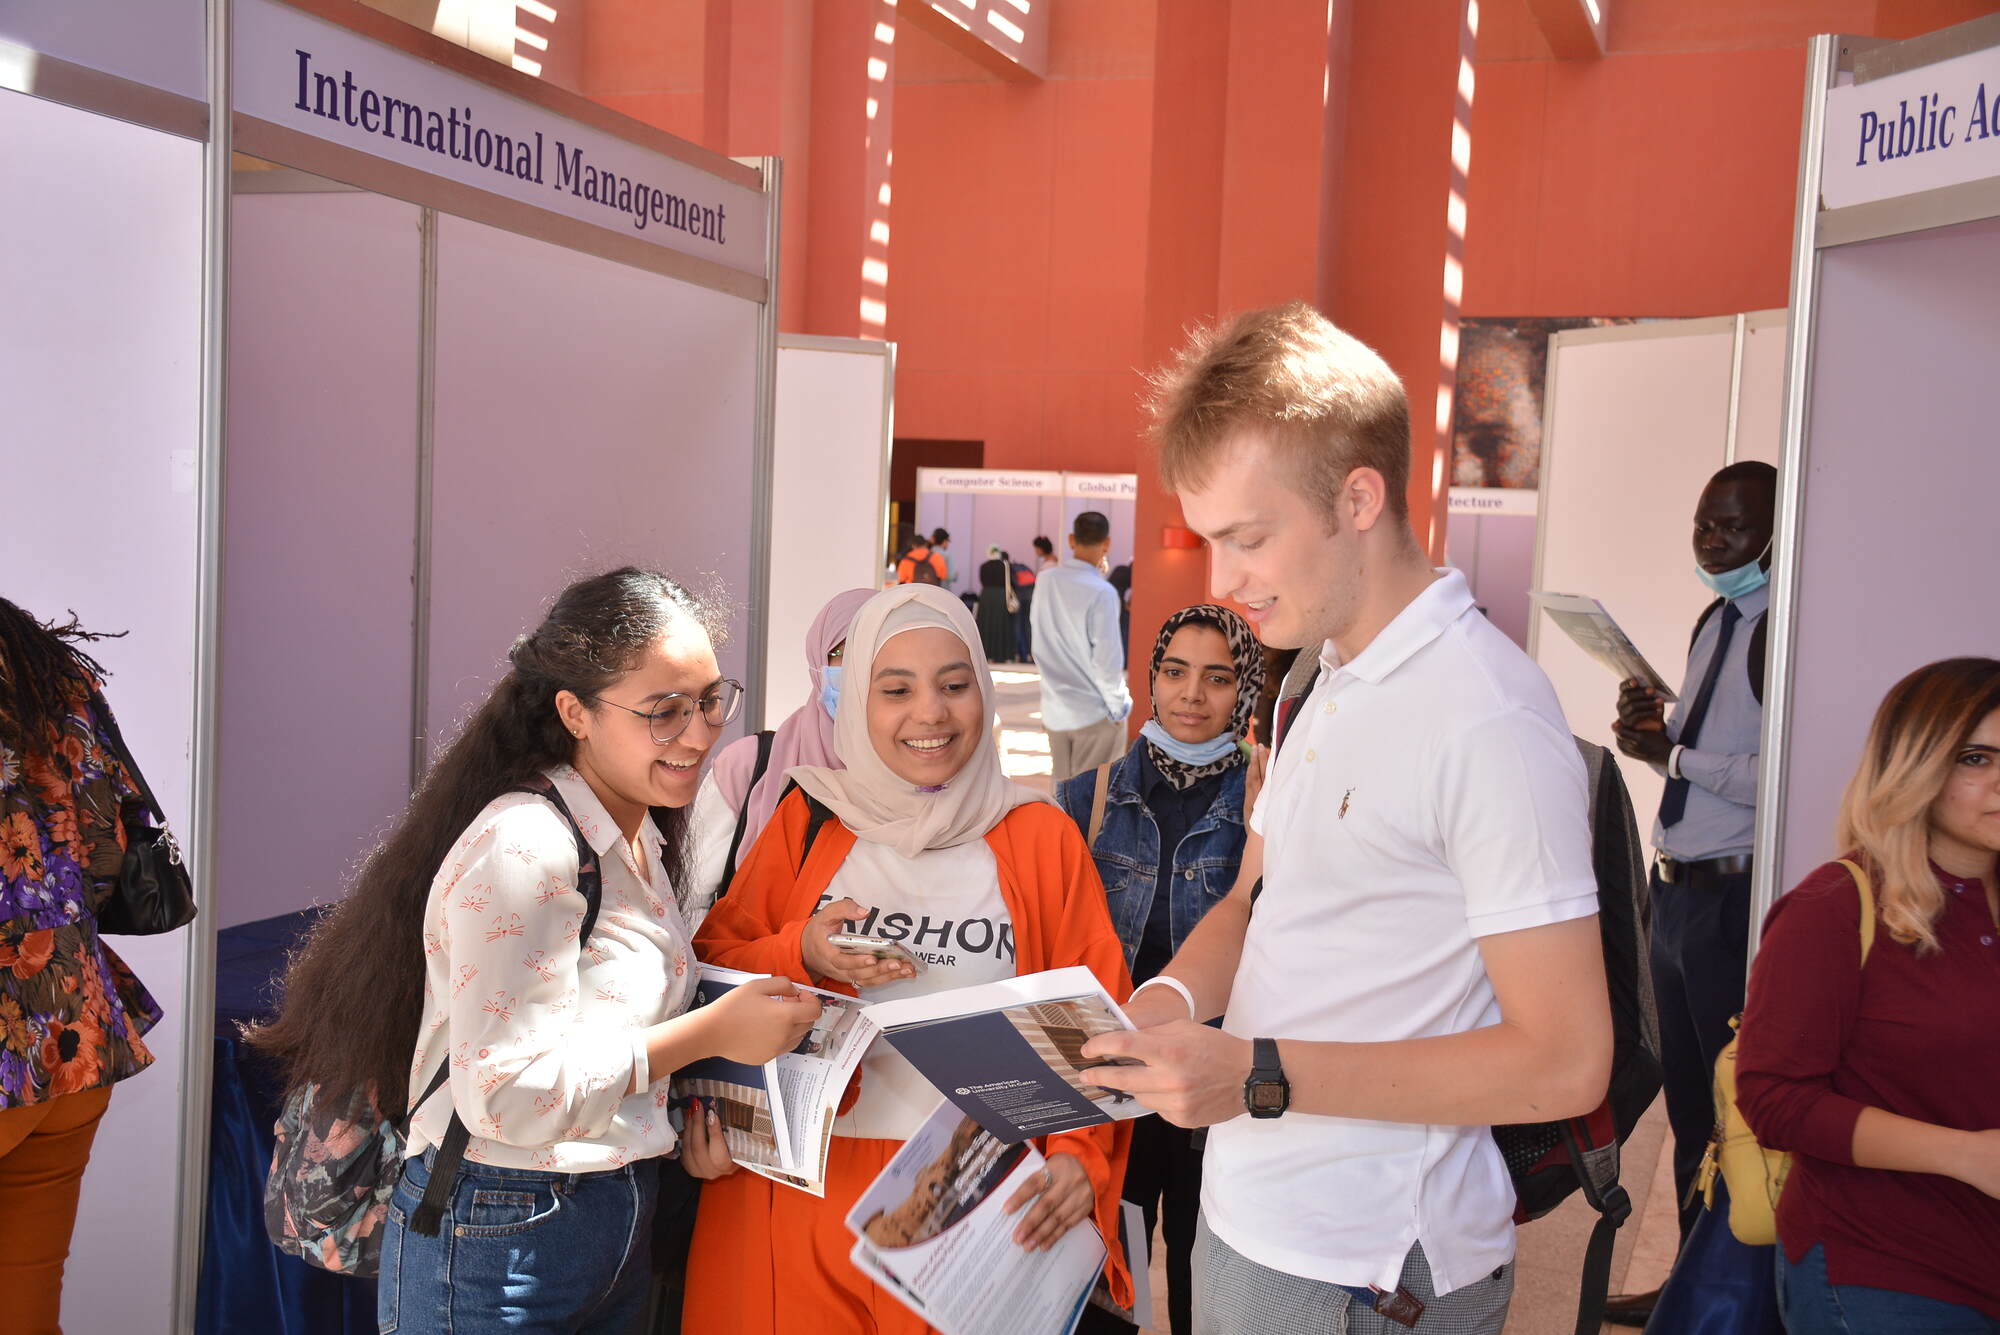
(1548, 1161)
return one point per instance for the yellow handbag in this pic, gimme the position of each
(1755, 1175)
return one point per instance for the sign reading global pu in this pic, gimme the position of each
(303, 74)
(1922, 129)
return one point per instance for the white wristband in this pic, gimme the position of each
(1674, 763)
(1161, 980)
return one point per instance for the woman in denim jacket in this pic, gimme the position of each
(1173, 811)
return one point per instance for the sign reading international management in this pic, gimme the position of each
(298, 72)
(1923, 129)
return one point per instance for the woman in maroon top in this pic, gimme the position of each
(1883, 1079)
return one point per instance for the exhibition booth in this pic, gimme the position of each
(347, 383)
(1636, 419)
(1889, 471)
(1009, 508)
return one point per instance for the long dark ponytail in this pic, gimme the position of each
(353, 994)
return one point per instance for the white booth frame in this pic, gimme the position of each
(1833, 59)
(224, 132)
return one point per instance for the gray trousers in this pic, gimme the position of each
(1071, 753)
(1233, 1295)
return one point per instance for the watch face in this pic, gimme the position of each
(1267, 1096)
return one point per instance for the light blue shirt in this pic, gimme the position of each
(1074, 620)
(1721, 816)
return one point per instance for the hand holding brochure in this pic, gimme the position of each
(1009, 1054)
(777, 1119)
(933, 1230)
(1585, 621)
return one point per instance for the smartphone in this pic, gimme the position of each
(881, 947)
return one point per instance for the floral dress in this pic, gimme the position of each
(71, 1013)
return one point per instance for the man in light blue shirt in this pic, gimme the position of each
(1707, 749)
(941, 541)
(1074, 625)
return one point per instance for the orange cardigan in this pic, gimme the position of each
(1052, 892)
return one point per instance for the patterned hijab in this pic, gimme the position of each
(1248, 655)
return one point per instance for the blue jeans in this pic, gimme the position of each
(1813, 1305)
(520, 1250)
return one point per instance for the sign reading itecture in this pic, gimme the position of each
(1493, 501)
(1933, 126)
(298, 72)
(988, 482)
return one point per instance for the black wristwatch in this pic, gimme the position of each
(1266, 1093)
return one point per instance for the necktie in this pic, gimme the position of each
(1673, 803)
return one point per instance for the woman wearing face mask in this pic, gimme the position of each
(463, 947)
(750, 774)
(991, 882)
(1882, 1076)
(1169, 845)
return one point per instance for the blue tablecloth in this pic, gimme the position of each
(248, 1287)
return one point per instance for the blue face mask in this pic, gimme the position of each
(1740, 581)
(829, 689)
(1188, 753)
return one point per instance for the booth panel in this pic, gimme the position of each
(100, 424)
(957, 515)
(829, 454)
(1637, 425)
(1760, 399)
(159, 43)
(1497, 554)
(320, 539)
(1896, 567)
(588, 415)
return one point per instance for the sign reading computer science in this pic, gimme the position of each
(313, 77)
(1925, 128)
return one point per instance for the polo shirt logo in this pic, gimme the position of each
(1347, 797)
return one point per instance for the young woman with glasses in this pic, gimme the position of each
(459, 946)
(1882, 1075)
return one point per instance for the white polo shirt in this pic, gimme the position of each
(1428, 794)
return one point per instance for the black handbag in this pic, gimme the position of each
(153, 892)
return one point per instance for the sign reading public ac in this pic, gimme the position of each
(1931, 126)
(1921, 129)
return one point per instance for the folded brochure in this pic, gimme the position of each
(784, 1137)
(1009, 1054)
(933, 1230)
(1585, 621)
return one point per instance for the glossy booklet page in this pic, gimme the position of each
(1009, 1054)
(933, 1231)
(778, 1118)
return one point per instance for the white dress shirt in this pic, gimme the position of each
(1429, 794)
(547, 1041)
(1074, 623)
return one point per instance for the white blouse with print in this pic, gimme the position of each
(546, 1041)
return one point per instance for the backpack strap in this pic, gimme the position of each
(818, 813)
(428, 1217)
(1866, 888)
(1754, 664)
(743, 815)
(1099, 790)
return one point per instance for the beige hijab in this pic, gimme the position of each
(867, 796)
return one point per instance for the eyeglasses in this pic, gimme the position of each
(670, 717)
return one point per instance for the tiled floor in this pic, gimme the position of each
(1550, 1260)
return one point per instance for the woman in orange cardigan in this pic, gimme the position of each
(982, 879)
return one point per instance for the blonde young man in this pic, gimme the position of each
(1423, 959)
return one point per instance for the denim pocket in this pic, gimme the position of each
(389, 1283)
(485, 1211)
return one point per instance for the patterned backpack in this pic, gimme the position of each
(337, 1162)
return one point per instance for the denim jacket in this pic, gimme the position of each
(1127, 851)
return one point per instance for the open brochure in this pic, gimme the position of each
(933, 1230)
(1009, 1054)
(1585, 621)
(777, 1119)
